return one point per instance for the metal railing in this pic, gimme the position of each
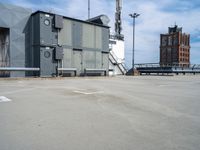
(115, 36)
(168, 68)
(92, 70)
(116, 61)
(18, 69)
(67, 70)
(174, 65)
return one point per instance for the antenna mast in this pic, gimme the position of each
(88, 9)
(118, 23)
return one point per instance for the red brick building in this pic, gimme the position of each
(175, 48)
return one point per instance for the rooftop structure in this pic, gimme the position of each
(46, 44)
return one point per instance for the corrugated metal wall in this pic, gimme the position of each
(85, 45)
(98, 37)
(67, 61)
(88, 36)
(65, 35)
(15, 19)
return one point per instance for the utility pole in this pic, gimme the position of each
(88, 9)
(134, 15)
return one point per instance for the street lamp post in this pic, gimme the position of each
(134, 15)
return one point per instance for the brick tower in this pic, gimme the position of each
(175, 48)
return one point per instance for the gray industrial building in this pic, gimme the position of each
(45, 44)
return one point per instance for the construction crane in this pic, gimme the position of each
(118, 22)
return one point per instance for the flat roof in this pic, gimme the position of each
(39, 11)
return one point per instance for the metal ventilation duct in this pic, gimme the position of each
(102, 19)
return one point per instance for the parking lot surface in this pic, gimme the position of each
(100, 113)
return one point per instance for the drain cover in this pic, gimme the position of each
(4, 99)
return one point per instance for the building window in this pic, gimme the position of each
(164, 41)
(169, 40)
(175, 40)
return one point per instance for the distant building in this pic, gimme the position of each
(175, 48)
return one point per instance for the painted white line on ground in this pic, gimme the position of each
(163, 85)
(4, 99)
(88, 93)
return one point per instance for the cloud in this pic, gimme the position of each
(195, 53)
(156, 16)
(154, 20)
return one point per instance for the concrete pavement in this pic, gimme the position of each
(106, 113)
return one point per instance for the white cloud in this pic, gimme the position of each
(153, 21)
(156, 16)
(195, 53)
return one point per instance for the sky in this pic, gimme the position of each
(155, 18)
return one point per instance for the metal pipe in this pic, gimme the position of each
(67, 69)
(18, 69)
(62, 66)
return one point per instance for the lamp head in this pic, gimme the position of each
(134, 15)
